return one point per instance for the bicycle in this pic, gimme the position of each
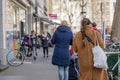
(16, 57)
(113, 47)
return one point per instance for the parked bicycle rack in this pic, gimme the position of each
(113, 61)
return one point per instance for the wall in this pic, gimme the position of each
(2, 33)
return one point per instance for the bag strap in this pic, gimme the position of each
(89, 40)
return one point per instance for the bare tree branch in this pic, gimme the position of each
(70, 8)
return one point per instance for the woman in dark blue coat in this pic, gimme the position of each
(62, 38)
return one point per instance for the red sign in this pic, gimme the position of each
(53, 16)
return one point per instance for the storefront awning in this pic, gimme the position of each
(23, 2)
(45, 19)
(48, 20)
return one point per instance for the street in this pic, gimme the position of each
(41, 69)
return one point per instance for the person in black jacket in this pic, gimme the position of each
(45, 43)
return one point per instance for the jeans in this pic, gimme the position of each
(63, 73)
(34, 51)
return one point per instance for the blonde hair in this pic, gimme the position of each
(64, 23)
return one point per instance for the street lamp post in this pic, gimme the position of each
(83, 5)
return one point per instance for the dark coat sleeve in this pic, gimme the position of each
(53, 38)
(71, 40)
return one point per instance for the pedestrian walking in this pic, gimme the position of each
(85, 56)
(45, 43)
(62, 38)
(33, 43)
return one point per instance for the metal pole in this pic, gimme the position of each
(102, 22)
(82, 5)
(103, 32)
(36, 24)
(101, 8)
(36, 12)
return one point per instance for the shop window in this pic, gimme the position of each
(14, 14)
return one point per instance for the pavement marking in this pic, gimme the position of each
(27, 62)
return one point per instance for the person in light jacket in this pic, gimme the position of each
(62, 38)
(85, 56)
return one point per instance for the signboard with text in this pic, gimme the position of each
(53, 16)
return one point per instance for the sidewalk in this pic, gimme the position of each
(41, 69)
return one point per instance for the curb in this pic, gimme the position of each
(3, 67)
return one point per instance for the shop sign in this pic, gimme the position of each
(54, 16)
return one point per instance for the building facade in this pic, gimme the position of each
(103, 12)
(19, 17)
(71, 11)
(13, 16)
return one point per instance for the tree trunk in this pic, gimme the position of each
(116, 21)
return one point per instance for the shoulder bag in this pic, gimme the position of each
(99, 57)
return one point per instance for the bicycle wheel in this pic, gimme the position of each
(22, 49)
(15, 58)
